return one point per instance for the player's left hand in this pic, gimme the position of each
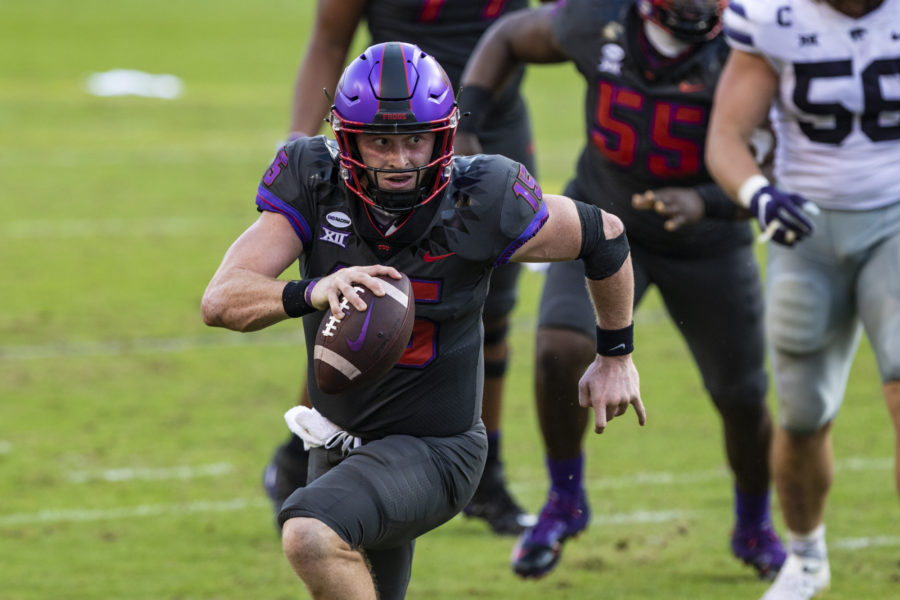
(609, 385)
(681, 206)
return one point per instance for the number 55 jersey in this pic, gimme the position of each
(837, 110)
(646, 119)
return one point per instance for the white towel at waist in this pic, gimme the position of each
(317, 431)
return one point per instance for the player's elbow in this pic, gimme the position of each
(612, 226)
(212, 308)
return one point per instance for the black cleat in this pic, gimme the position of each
(285, 472)
(493, 503)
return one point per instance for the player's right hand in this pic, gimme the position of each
(782, 216)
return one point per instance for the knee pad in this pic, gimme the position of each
(563, 353)
(804, 415)
(806, 402)
(797, 314)
(746, 393)
(495, 368)
(495, 331)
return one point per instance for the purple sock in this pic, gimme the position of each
(752, 509)
(566, 475)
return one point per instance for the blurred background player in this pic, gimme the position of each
(448, 31)
(651, 67)
(409, 449)
(829, 73)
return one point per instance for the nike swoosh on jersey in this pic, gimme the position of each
(431, 258)
(357, 344)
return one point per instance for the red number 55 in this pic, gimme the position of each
(617, 138)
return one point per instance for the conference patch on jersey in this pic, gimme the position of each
(612, 57)
(334, 237)
(338, 219)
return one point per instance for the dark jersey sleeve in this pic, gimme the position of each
(290, 184)
(501, 207)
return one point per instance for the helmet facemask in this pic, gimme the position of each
(691, 21)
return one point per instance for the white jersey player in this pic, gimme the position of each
(838, 96)
(827, 72)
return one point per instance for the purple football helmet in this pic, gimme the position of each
(394, 88)
(692, 21)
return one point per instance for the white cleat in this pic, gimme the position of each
(800, 579)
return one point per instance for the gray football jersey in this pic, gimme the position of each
(447, 248)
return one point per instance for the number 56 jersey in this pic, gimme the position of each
(837, 110)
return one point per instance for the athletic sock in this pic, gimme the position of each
(752, 510)
(809, 545)
(566, 475)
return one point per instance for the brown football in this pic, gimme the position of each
(362, 347)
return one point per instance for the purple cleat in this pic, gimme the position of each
(760, 548)
(538, 548)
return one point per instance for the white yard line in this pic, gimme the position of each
(96, 228)
(215, 469)
(144, 510)
(148, 345)
(646, 516)
(239, 504)
(129, 474)
(865, 542)
(647, 478)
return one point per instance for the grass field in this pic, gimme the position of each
(132, 437)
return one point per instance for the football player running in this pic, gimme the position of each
(828, 70)
(651, 67)
(387, 196)
(448, 31)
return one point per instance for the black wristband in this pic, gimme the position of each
(615, 342)
(473, 102)
(716, 203)
(295, 299)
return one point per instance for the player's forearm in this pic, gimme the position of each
(241, 300)
(613, 298)
(743, 96)
(729, 159)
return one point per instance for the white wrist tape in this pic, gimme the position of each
(749, 188)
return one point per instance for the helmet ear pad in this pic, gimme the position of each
(394, 88)
(693, 21)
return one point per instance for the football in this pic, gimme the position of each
(363, 346)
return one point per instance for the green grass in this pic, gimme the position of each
(115, 213)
